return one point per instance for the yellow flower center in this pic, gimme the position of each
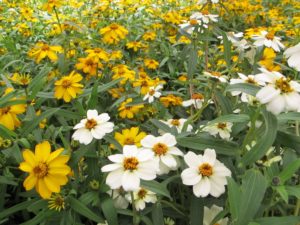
(205, 170)
(205, 12)
(130, 163)
(142, 193)
(129, 141)
(41, 170)
(66, 83)
(196, 96)
(175, 122)
(160, 149)
(222, 126)
(270, 35)
(284, 85)
(90, 124)
(151, 92)
(193, 22)
(216, 74)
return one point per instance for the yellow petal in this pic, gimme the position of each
(42, 151)
(59, 179)
(62, 170)
(29, 157)
(42, 189)
(26, 167)
(52, 184)
(7, 121)
(55, 154)
(29, 182)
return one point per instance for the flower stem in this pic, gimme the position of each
(135, 220)
(297, 207)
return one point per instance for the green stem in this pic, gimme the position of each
(297, 207)
(135, 220)
(58, 20)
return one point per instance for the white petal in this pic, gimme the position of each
(292, 101)
(202, 188)
(209, 156)
(175, 151)
(277, 105)
(130, 150)
(111, 167)
(92, 114)
(103, 117)
(114, 179)
(148, 141)
(168, 160)
(117, 158)
(190, 176)
(192, 160)
(83, 135)
(168, 139)
(267, 94)
(145, 155)
(130, 181)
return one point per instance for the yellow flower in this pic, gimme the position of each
(126, 111)
(56, 202)
(113, 33)
(115, 55)
(267, 60)
(47, 171)
(50, 4)
(134, 45)
(21, 79)
(151, 64)
(68, 86)
(89, 65)
(98, 54)
(122, 71)
(149, 36)
(130, 136)
(43, 50)
(171, 100)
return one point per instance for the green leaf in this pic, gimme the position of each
(109, 211)
(16, 208)
(83, 210)
(157, 214)
(283, 193)
(7, 180)
(196, 210)
(94, 97)
(223, 102)
(246, 88)
(234, 197)
(102, 88)
(42, 216)
(288, 140)
(283, 220)
(6, 133)
(295, 116)
(233, 118)
(265, 142)
(160, 125)
(202, 142)
(293, 190)
(38, 82)
(192, 62)
(156, 187)
(289, 171)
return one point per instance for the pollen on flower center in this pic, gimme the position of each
(205, 12)
(205, 170)
(130, 163)
(41, 170)
(196, 96)
(193, 22)
(129, 141)
(175, 122)
(160, 149)
(45, 48)
(114, 26)
(151, 92)
(250, 81)
(222, 125)
(216, 74)
(283, 85)
(270, 35)
(66, 83)
(90, 124)
(142, 193)
(5, 110)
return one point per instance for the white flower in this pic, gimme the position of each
(205, 1)
(141, 197)
(205, 17)
(293, 54)
(196, 100)
(94, 126)
(178, 123)
(280, 94)
(153, 93)
(250, 79)
(216, 75)
(269, 40)
(164, 151)
(232, 37)
(211, 213)
(223, 129)
(130, 167)
(241, 45)
(205, 173)
(118, 196)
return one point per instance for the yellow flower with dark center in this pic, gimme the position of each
(134, 45)
(51, 4)
(130, 136)
(98, 54)
(122, 71)
(171, 100)
(116, 55)
(126, 111)
(21, 79)
(151, 64)
(267, 60)
(47, 171)
(43, 50)
(149, 36)
(113, 33)
(68, 87)
(56, 202)
(89, 65)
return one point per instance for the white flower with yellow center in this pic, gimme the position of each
(293, 55)
(153, 93)
(268, 39)
(94, 126)
(280, 93)
(196, 100)
(205, 173)
(178, 124)
(211, 213)
(223, 129)
(165, 152)
(130, 167)
(141, 197)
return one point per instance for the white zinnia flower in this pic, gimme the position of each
(205, 173)
(250, 79)
(94, 126)
(118, 196)
(178, 123)
(130, 167)
(223, 129)
(216, 75)
(196, 100)
(293, 54)
(280, 94)
(269, 40)
(205, 17)
(141, 197)
(153, 93)
(211, 213)
(164, 151)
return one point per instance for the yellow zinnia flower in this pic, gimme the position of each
(43, 50)
(151, 64)
(47, 171)
(126, 111)
(56, 202)
(130, 136)
(113, 33)
(68, 87)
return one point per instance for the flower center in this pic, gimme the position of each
(250, 81)
(284, 85)
(66, 83)
(45, 48)
(151, 92)
(205, 170)
(222, 126)
(90, 124)
(130, 163)
(114, 26)
(216, 74)
(175, 122)
(196, 96)
(193, 22)
(5, 110)
(160, 149)
(129, 141)
(205, 12)
(270, 35)
(41, 170)
(142, 193)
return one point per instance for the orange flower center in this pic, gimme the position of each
(205, 170)
(5, 110)
(114, 26)
(41, 170)
(270, 35)
(160, 149)
(130, 163)
(129, 141)
(175, 122)
(283, 85)
(66, 83)
(193, 22)
(216, 74)
(197, 96)
(142, 193)
(90, 124)
(45, 48)
(151, 92)
(205, 12)
(222, 126)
